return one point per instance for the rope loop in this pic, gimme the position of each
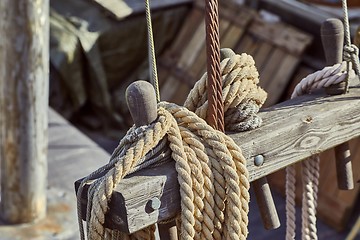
(351, 54)
(211, 169)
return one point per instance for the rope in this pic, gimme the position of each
(351, 51)
(214, 194)
(310, 167)
(215, 118)
(322, 78)
(151, 52)
(290, 202)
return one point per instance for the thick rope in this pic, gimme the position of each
(322, 78)
(310, 167)
(151, 52)
(215, 118)
(211, 170)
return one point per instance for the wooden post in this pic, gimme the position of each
(141, 100)
(24, 76)
(332, 35)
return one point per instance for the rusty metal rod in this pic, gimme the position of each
(215, 112)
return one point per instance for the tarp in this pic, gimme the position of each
(95, 56)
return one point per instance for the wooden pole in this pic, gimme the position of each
(24, 73)
(141, 100)
(332, 34)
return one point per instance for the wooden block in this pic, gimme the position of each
(131, 210)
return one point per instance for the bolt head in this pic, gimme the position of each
(259, 160)
(154, 203)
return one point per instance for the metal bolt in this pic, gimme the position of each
(154, 203)
(259, 160)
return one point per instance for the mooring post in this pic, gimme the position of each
(24, 76)
(332, 35)
(141, 101)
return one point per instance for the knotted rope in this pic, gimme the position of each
(211, 168)
(351, 51)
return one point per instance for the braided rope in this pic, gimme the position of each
(151, 52)
(351, 51)
(216, 111)
(310, 173)
(214, 194)
(323, 78)
(290, 203)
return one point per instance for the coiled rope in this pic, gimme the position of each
(211, 169)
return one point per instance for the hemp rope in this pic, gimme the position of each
(151, 52)
(351, 51)
(211, 169)
(310, 167)
(215, 118)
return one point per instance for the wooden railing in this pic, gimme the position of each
(291, 131)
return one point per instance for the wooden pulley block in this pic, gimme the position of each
(332, 35)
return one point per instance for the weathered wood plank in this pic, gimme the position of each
(120, 9)
(291, 131)
(299, 128)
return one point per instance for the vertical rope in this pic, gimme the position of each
(310, 174)
(346, 23)
(215, 114)
(351, 52)
(290, 203)
(151, 52)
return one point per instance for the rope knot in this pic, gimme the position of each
(350, 50)
(351, 54)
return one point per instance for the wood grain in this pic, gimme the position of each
(291, 132)
(24, 78)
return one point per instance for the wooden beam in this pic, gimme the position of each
(24, 77)
(120, 9)
(291, 132)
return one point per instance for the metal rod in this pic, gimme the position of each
(215, 112)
